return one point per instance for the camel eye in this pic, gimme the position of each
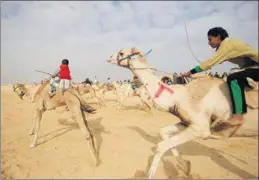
(121, 53)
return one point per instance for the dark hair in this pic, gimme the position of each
(65, 61)
(218, 31)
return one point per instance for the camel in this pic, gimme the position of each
(75, 105)
(126, 91)
(25, 92)
(103, 88)
(197, 112)
(86, 88)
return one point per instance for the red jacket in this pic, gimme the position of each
(64, 72)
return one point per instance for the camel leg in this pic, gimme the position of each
(118, 99)
(101, 102)
(103, 95)
(31, 132)
(120, 103)
(93, 97)
(74, 106)
(230, 132)
(36, 127)
(97, 102)
(145, 102)
(182, 137)
(168, 131)
(114, 93)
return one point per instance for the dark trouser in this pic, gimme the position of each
(236, 83)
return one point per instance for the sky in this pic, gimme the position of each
(38, 35)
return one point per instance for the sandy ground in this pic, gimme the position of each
(126, 140)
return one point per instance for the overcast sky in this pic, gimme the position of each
(38, 35)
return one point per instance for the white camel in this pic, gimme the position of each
(125, 91)
(196, 111)
(104, 88)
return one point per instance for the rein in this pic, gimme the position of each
(129, 57)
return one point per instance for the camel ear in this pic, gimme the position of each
(135, 50)
(142, 57)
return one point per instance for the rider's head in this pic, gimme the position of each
(65, 62)
(216, 35)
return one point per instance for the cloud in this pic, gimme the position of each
(37, 35)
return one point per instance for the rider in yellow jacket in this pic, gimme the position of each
(237, 52)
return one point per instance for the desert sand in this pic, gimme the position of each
(126, 139)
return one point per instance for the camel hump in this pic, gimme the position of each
(200, 86)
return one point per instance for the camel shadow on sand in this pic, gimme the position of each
(189, 149)
(135, 107)
(94, 124)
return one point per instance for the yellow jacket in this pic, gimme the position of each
(234, 51)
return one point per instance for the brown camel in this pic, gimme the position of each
(75, 105)
(82, 89)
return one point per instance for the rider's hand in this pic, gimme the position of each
(187, 74)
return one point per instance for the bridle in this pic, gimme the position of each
(128, 58)
(161, 88)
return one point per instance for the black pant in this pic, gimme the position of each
(240, 78)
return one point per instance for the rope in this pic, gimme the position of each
(189, 45)
(158, 69)
(185, 79)
(138, 57)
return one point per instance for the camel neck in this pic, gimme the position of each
(145, 76)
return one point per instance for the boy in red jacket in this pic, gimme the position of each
(64, 76)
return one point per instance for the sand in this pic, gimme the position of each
(126, 141)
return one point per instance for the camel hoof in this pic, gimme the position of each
(185, 166)
(32, 146)
(188, 168)
(97, 162)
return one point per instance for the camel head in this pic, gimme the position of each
(124, 56)
(20, 90)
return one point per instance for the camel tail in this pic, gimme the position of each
(87, 108)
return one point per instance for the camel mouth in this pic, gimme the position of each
(111, 61)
